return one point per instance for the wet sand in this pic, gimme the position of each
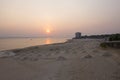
(74, 60)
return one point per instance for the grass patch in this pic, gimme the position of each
(103, 45)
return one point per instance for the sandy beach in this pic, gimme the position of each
(78, 59)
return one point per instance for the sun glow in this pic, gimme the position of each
(48, 31)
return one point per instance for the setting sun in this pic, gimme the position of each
(48, 31)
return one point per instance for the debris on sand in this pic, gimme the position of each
(61, 58)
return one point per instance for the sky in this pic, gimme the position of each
(59, 18)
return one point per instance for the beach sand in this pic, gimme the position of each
(78, 59)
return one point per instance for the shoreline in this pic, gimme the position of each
(34, 46)
(5, 53)
(8, 44)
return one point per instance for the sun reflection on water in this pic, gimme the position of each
(48, 41)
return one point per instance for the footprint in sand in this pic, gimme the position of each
(116, 75)
(61, 58)
(119, 63)
(95, 51)
(106, 54)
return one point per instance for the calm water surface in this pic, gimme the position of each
(13, 43)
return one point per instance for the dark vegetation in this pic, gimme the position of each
(103, 45)
(97, 36)
(114, 37)
(112, 41)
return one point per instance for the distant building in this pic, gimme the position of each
(77, 35)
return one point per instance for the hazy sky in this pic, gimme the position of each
(62, 17)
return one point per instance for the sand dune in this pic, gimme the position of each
(74, 60)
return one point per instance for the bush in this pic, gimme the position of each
(114, 37)
(103, 45)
